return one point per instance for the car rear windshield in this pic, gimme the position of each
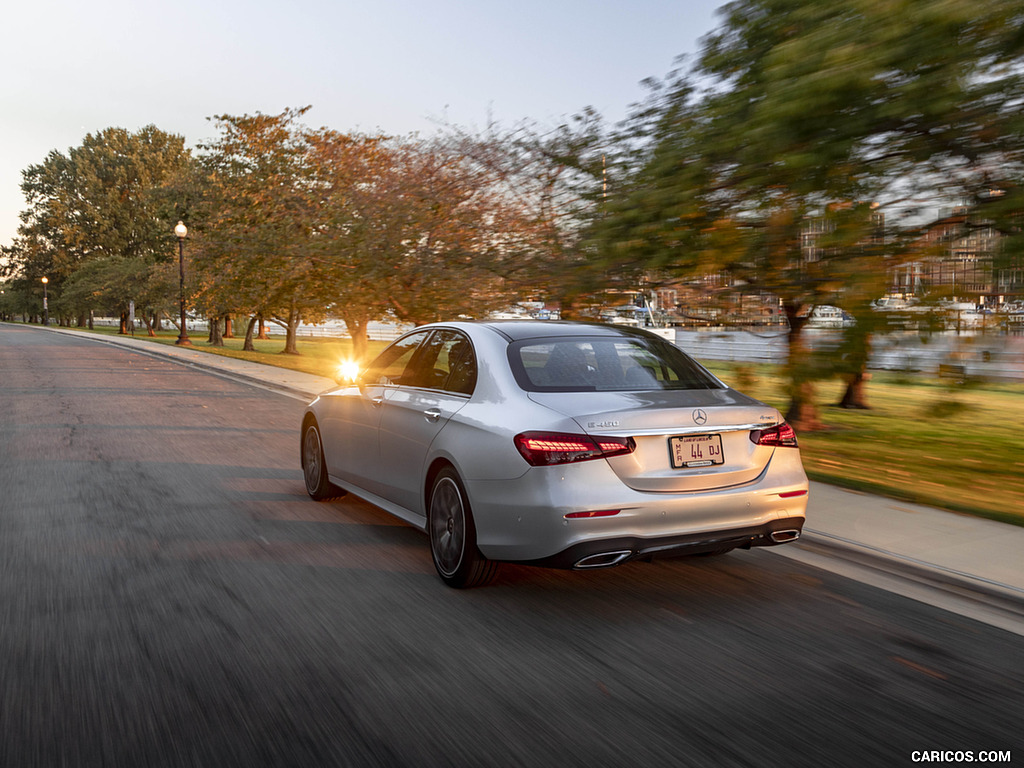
(588, 364)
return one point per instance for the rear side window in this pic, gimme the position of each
(588, 364)
(393, 364)
(446, 362)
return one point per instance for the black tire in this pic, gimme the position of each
(314, 468)
(453, 535)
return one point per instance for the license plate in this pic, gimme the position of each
(695, 451)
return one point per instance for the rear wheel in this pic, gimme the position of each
(453, 535)
(314, 468)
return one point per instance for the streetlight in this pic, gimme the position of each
(46, 309)
(181, 231)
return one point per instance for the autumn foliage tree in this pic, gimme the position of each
(252, 228)
(298, 224)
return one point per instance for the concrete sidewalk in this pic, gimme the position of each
(981, 555)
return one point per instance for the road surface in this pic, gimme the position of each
(171, 597)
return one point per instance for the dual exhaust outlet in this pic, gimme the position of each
(615, 557)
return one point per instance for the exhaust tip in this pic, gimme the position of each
(781, 537)
(603, 559)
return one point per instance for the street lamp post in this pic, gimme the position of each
(46, 309)
(181, 231)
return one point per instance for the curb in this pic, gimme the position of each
(1002, 596)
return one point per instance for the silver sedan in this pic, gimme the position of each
(565, 445)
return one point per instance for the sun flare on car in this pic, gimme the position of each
(348, 370)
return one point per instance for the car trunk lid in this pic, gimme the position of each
(686, 440)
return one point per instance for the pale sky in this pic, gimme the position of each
(70, 67)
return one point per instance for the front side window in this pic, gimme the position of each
(587, 364)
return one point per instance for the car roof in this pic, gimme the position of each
(518, 330)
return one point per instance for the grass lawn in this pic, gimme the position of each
(955, 446)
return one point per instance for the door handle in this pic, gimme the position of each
(432, 414)
(377, 401)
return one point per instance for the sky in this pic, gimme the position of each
(400, 66)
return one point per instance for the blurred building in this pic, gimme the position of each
(955, 259)
(959, 259)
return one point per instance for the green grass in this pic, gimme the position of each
(954, 446)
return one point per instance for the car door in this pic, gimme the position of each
(442, 381)
(353, 415)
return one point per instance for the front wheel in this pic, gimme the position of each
(453, 535)
(314, 468)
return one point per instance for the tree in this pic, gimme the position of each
(350, 173)
(113, 283)
(104, 199)
(409, 228)
(254, 224)
(798, 110)
(445, 234)
(550, 180)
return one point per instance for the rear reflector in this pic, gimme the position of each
(780, 435)
(547, 448)
(792, 494)
(600, 513)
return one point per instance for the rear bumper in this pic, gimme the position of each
(609, 552)
(524, 520)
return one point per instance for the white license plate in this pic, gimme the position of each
(695, 451)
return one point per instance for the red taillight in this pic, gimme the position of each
(780, 435)
(546, 448)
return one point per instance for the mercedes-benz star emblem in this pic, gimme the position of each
(699, 417)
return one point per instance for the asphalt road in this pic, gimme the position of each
(169, 596)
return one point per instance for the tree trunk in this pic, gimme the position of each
(123, 327)
(263, 335)
(855, 395)
(149, 325)
(248, 346)
(216, 339)
(229, 331)
(803, 410)
(357, 330)
(291, 346)
(857, 349)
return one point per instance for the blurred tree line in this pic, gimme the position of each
(290, 224)
(850, 114)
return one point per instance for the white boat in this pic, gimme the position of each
(827, 316)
